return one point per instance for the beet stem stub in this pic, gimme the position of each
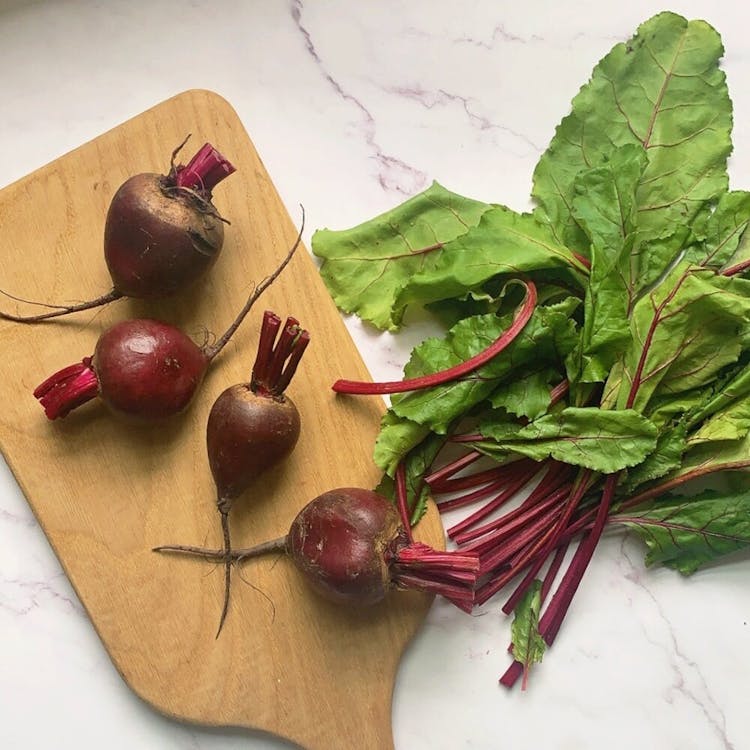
(67, 389)
(452, 575)
(204, 171)
(275, 364)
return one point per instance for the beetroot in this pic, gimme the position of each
(351, 548)
(162, 233)
(254, 426)
(142, 368)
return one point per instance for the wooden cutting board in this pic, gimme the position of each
(105, 492)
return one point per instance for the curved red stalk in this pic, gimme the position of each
(452, 373)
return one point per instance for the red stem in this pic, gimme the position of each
(579, 489)
(550, 488)
(495, 474)
(558, 392)
(452, 373)
(502, 528)
(204, 171)
(549, 625)
(509, 492)
(268, 330)
(737, 269)
(450, 574)
(470, 498)
(553, 570)
(638, 376)
(282, 350)
(452, 468)
(402, 501)
(550, 622)
(67, 389)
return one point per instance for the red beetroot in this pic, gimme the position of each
(350, 546)
(162, 232)
(142, 368)
(254, 426)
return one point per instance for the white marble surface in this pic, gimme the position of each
(354, 106)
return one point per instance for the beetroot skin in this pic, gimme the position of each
(248, 433)
(147, 368)
(140, 368)
(158, 241)
(342, 542)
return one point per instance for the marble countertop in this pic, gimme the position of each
(353, 107)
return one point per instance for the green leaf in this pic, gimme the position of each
(711, 458)
(723, 393)
(503, 243)
(528, 644)
(667, 409)
(605, 208)
(396, 438)
(723, 231)
(682, 335)
(686, 533)
(730, 423)
(365, 268)
(664, 91)
(604, 441)
(667, 456)
(527, 396)
(546, 338)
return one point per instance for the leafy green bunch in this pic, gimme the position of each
(639, 254)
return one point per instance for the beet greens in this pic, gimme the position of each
(629, 376)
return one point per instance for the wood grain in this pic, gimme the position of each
(106, 492)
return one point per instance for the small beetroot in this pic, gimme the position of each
(350, 546)
(162, 233)
(254, 426)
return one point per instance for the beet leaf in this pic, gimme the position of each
(366, 267)
(686, 533)
(662, 90)
(528, 645)
(597, 439)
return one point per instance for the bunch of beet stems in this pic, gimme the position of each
(564, 503)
